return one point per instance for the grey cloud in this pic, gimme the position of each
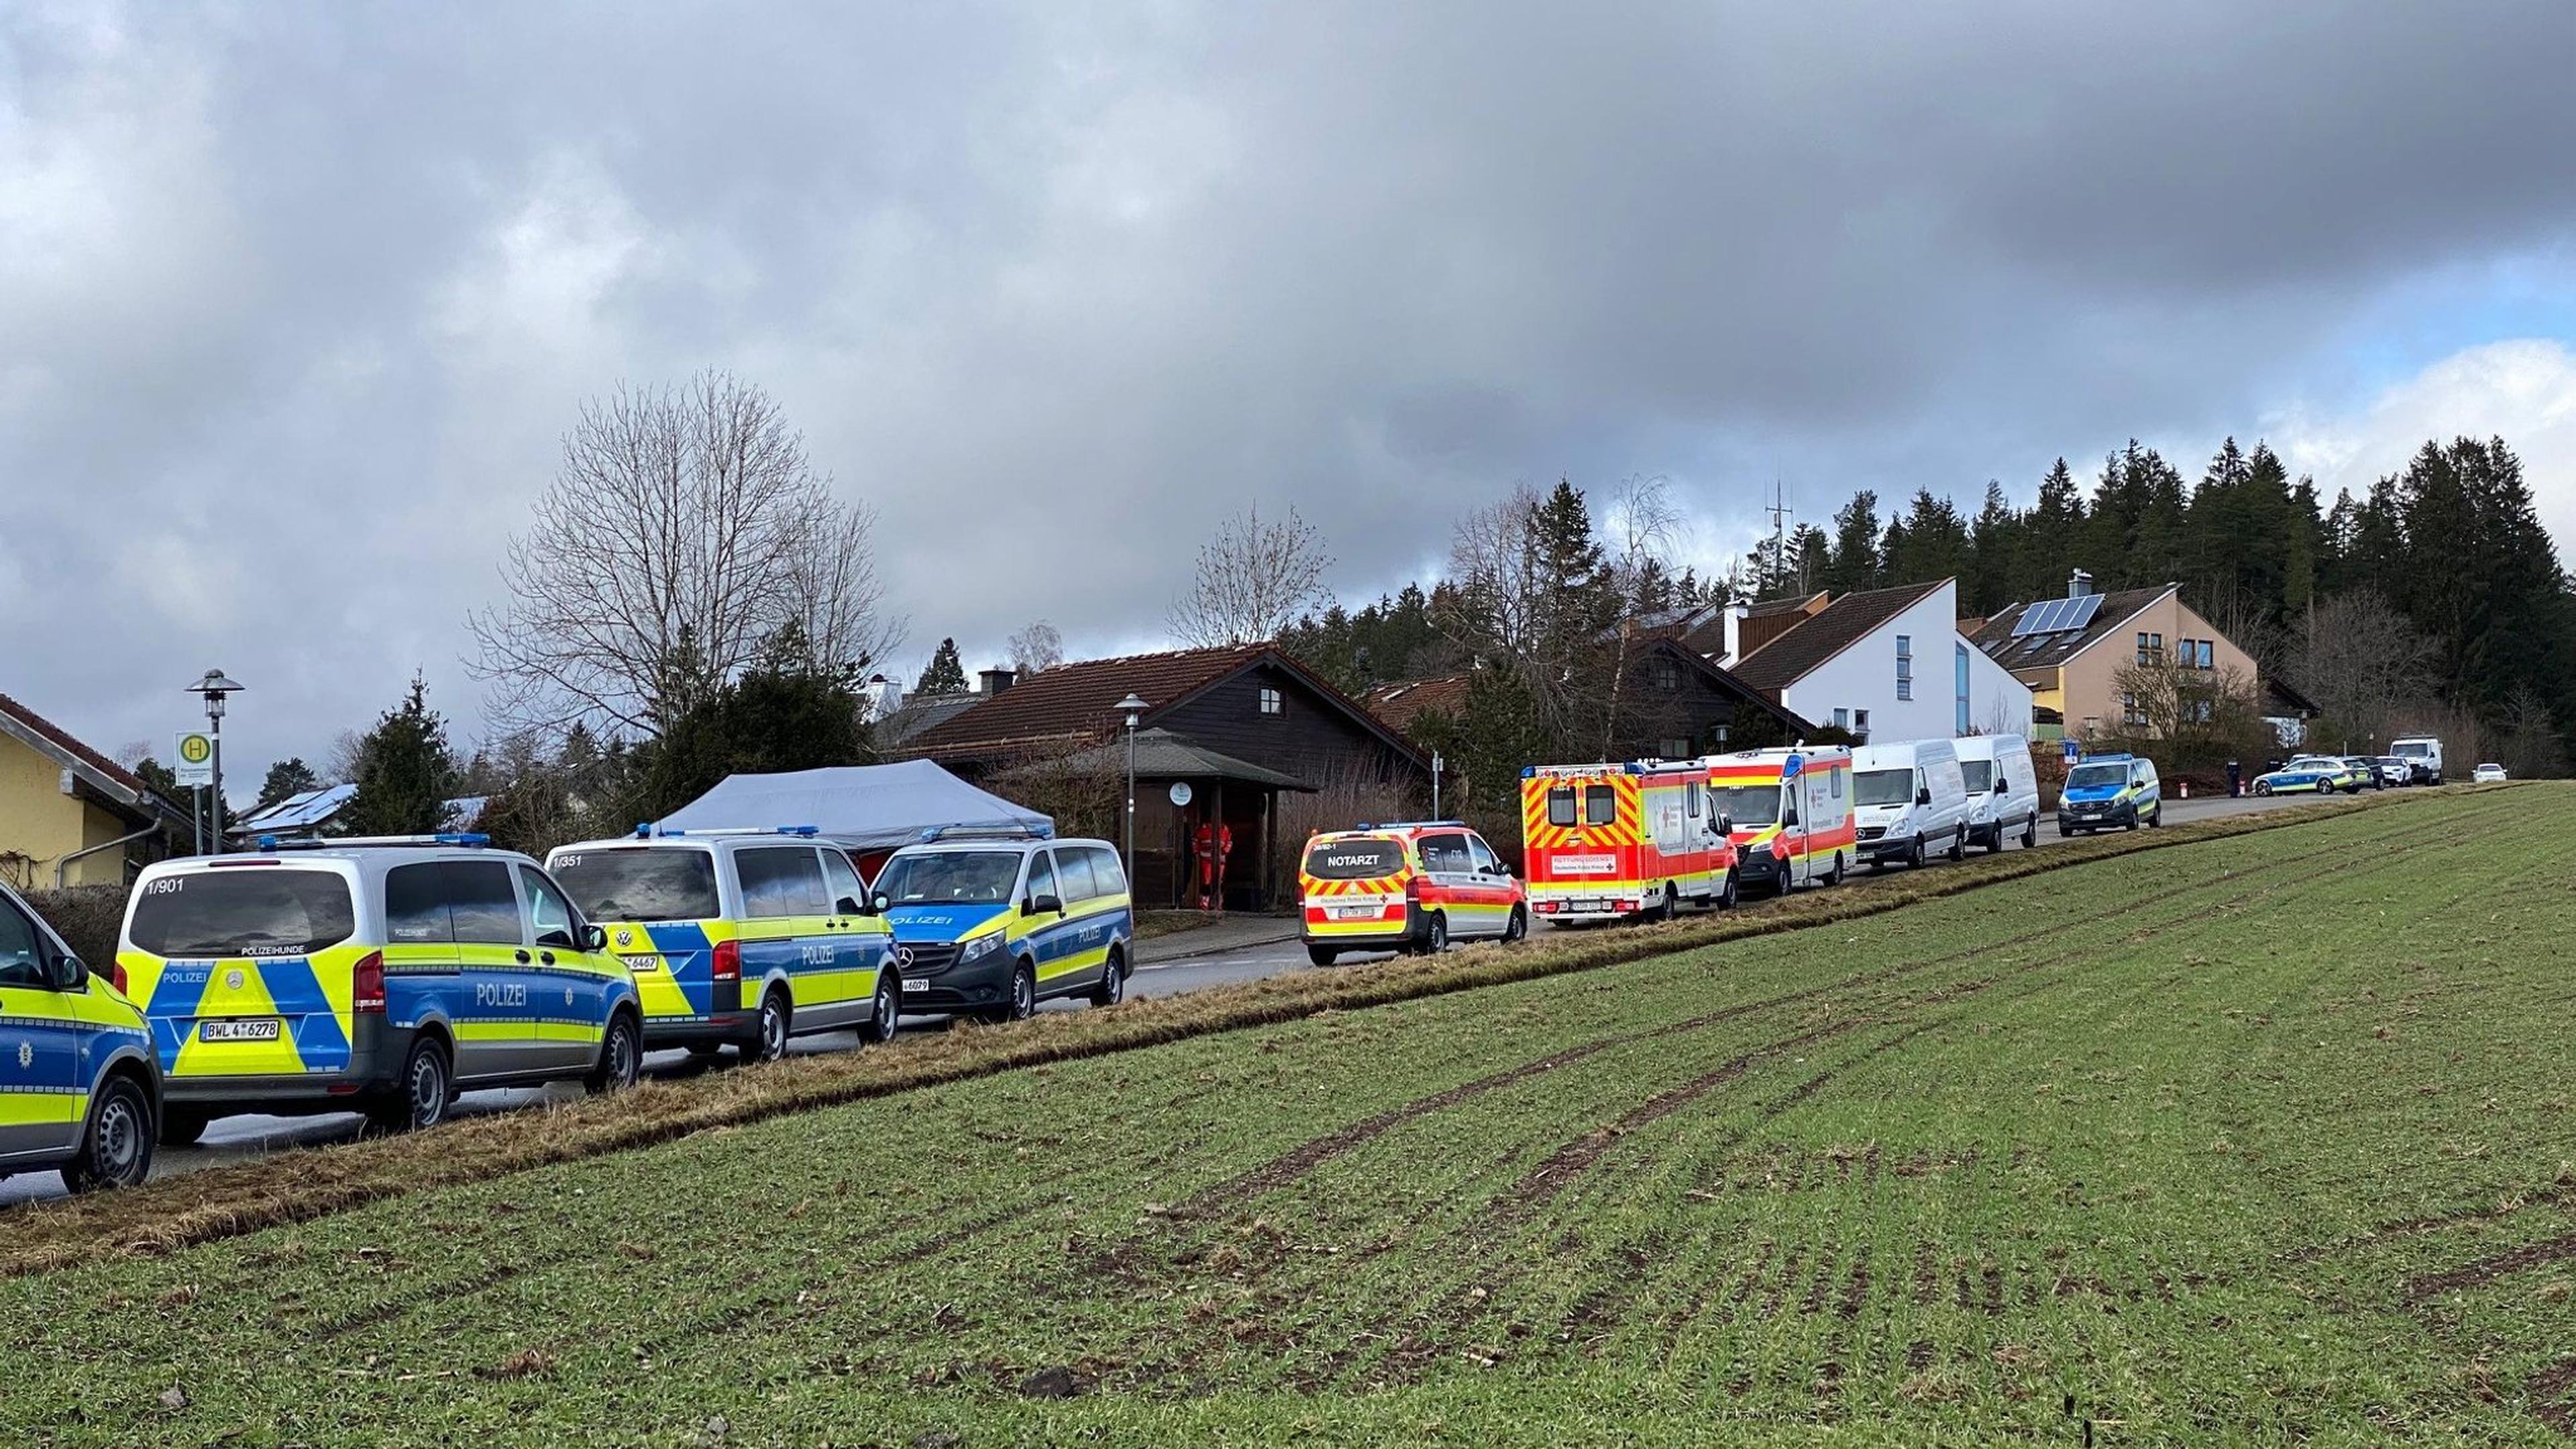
(294, 302)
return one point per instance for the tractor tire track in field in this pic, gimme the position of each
(2486, 1270)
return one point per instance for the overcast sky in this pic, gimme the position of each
(297, 301)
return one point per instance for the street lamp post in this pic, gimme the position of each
(213, 688)
(1134, 709)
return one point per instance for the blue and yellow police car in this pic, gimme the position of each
(990, 923)
(2110, 792)
(738, 937)
(78, 1086)
(382, 976)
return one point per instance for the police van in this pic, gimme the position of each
(375, 975)
(738, 937)
(2110, 792)
(991, 922)
(79, 1089)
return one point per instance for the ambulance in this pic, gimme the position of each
(1412, 885)
(1788, 812)
(1604, 842)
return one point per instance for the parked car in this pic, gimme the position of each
(740, 938)
(992, 922)
(2488, 774)
(2366, 770)
(2422, 754)
(2110, 792)
(1407, 886)
(2394, 771)
(1907, 797)
(382, 976)
(2003, 790)
(2319, 774)
(81, 1086)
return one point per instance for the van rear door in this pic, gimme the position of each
(242, 968)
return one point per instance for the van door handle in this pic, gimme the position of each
(523, 958)
(546, 956)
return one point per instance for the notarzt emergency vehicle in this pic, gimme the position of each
(381, 976)
(990, 923)
(1789, 813)
(738, 937)
(1606, 841)
(1411, 885)
(79, 1089)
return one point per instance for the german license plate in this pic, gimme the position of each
(1587, 905)
(916, 983)
(242, 1029)
(1354, 913)
(643, 963)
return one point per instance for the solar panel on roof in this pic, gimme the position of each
(2034, 620)
(2082, 611)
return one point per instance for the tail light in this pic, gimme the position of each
(1413, 890)
(116, 974)
(728, 961)
(367, 985)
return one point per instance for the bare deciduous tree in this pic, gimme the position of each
(1254, 579)
(2364, 664)
(1037, 648)
(1501, 588)
(684, 527)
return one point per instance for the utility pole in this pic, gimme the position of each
(1781, 513)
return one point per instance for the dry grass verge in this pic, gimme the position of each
(302, 1185)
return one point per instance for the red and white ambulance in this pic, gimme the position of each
(1789, 813)
(1603, 842)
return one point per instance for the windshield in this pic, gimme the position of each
(2414, 749)
(1979, 775)
(1356, 859)
(950, 877)
(1746, 805)
(243, 911)
(2098, 777)
(640, 883)
(1883, 787)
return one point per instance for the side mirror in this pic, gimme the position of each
(1999, 787)
(1923, 796)
(878, 903)
(850, 906)
(1726, 825)
(1040, 905)
(69, 973)
(560, 939)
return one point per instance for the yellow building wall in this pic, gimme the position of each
(39, 824)
(2092, 690)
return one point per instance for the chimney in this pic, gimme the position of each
(2079, 585)
(996, 680)
(1737, 611)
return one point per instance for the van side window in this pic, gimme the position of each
(1445, 853)
(1789, 804)
(1073, 876)
(1483, 854)
(781, 881)
(1600, 805)
(1106, 872)
(416, 905)
(22, 962)
(548, 912)
(1692, 796)
(840, 879)
(481, 904)
(1560, 805)
(1041, 878)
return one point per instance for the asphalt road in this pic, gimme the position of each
(232, 1139)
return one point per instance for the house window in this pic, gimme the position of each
(1673, 750)
(1860, 726)
(1904, 666)
(2129, 711)
(1842, 719)
(1667, 675)
(2151, 648)
(1960, 687)
(1269, 700)
(2208, 655)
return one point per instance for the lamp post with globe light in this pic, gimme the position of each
(1134, 709)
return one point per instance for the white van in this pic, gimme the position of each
(2003, 790)
(1909, 797)
(2423, 757)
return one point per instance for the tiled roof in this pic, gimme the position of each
(2118, 607)
(1844, 622)
(62, 739)
(1402, 701)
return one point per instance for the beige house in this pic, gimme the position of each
(2070, 651)
(68, 814)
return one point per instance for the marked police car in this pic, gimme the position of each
(79, 1090)
(738, 937)
(990, 923)
(376, 975)
(2110, 792)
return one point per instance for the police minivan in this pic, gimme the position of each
(381, 976)
(990, 923)
(738, 937)
(2110, 792)
(78, 1087)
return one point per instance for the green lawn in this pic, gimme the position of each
(2259, 1140)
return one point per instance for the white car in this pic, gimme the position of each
(2487, 774)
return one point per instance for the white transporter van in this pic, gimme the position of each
(1908, 798)
(2003, 790)
(2423, 757)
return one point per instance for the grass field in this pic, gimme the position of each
(2265, 1139)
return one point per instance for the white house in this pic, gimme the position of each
(1889, 664)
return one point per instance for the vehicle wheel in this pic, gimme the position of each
(621, 1056)
(1322, 955)
(1729, 893)
(2030, 833)
(1024, 993)
(2157, 820)
(1518, 926)
(886, 1016)
(1958, 844)
(182, 1126)
(422, 1094)
(2262, 787)
(1435, 934)
(777, 1016)
(116, 1151)
(1672, 907)
(1834, 877)
(1113, 982)
(1914, 854)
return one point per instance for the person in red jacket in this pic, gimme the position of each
(1215, 841)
